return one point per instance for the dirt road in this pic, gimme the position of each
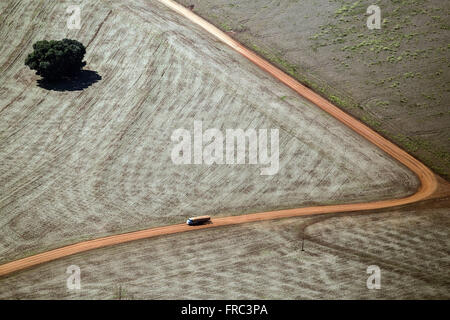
(429, 182)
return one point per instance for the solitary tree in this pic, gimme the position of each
(54, 60)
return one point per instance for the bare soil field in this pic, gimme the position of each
(265, 261)
(93, 158)
(396, 79)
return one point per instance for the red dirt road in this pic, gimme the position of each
(429, 182)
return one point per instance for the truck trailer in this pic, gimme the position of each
(193, 221)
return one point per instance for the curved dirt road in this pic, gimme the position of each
(429, 183)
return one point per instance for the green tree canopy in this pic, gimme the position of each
(55, 60)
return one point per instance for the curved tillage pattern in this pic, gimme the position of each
(84, 164)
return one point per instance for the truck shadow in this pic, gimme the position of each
(201, 223)
(83, 80)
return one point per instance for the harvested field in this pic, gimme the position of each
(93, 159)
(264, 261)
(396, 79)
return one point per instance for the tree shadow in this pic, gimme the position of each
(78, 82)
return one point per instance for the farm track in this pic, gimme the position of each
(430, 185)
